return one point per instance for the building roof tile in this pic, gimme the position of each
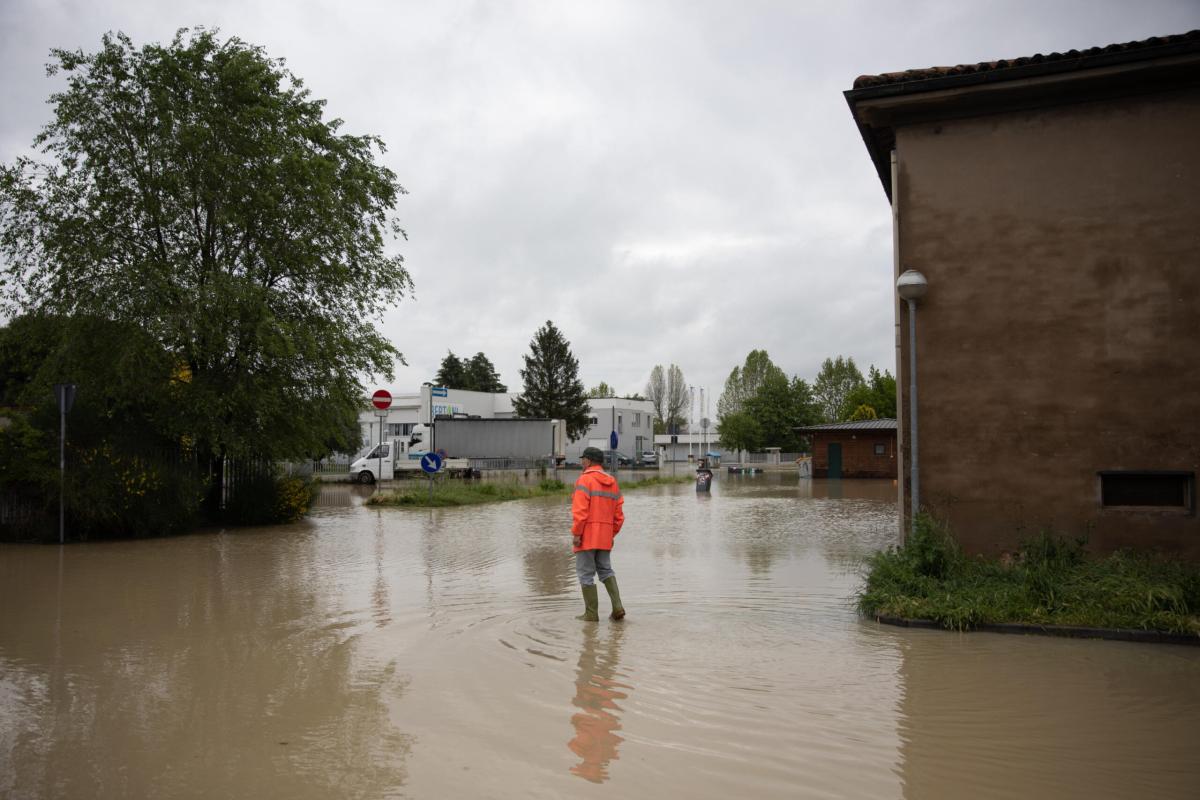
(1069, 60)
(884, 424)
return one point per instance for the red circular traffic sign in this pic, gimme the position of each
(382, 399)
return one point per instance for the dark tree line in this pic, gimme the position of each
(475, 374)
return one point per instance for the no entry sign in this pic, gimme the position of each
(382, 399)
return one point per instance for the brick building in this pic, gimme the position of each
(865, 449)
(1050, 201)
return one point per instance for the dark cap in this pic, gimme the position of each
(594, 454)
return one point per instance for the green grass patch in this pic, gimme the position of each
(1050, 581)
(468, 493)
(659, 480)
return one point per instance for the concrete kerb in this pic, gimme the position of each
(1064, 631)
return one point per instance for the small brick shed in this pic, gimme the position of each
(863, 449)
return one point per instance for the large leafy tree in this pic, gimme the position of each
(552, 385)
(195, 192)
(760, 407)
(876, 398)
(834, 384)
(744, 381)
(602, 389)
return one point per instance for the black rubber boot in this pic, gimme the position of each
(614, 594)
(591, 604)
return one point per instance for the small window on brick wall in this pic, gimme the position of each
(1149, 489)
(880, 449)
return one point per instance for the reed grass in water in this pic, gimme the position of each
(1049, 581)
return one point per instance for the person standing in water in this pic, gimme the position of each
(596, 518)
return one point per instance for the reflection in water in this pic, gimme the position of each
(596, 694)
(207, 665)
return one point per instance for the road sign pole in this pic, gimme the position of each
(382, 400)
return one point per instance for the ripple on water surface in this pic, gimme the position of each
(434, 653)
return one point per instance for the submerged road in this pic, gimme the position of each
(434, 653)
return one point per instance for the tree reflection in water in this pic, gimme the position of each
(596, 694)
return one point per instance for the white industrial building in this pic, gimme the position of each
(689, 446)
(633, 420)
(422, 406)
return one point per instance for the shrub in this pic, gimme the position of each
(267, 498)
(111, 493)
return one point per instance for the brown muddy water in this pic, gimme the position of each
(434, 654)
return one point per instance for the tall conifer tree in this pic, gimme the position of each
(552, 385)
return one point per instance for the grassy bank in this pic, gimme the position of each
(467, 493)
(1051, 581)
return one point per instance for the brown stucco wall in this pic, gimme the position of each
(1061, 332)
(858, 453)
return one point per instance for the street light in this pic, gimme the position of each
(911, 286)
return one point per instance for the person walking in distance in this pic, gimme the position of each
(596, 518)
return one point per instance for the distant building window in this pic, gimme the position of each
(595, 421)
(399, 428)
(620, 423)
(880, 449)
(1149, 489)
(637, 420)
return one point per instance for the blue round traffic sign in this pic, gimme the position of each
(431, 462)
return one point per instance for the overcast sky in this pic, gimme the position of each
(666, 181)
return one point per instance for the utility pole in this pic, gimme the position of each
(64, 393)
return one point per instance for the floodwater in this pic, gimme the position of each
(433, 653)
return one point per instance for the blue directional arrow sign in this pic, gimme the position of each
(612, 441)
(431, 462)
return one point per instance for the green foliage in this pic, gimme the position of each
(115, 492)
(876, 398)
(740, 431)
(744, 381)
(124, 478)
(602, 389)
(474, 374)
(552, 386)
(446, 494)
(835, 383)
(268, 498)
(1050, 581)
(760, 407)
(193, 192)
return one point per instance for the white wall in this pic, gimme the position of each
(632, 419)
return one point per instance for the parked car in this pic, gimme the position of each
(649, 458)
(622, 459)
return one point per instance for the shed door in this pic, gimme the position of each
(835, 460)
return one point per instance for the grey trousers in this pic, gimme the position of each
(592, 563)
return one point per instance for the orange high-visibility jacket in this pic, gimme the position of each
(596, 513)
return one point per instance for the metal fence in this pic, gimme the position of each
(16, 509)
(761, 458)
(483, 464)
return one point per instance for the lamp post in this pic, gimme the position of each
(911, 286)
